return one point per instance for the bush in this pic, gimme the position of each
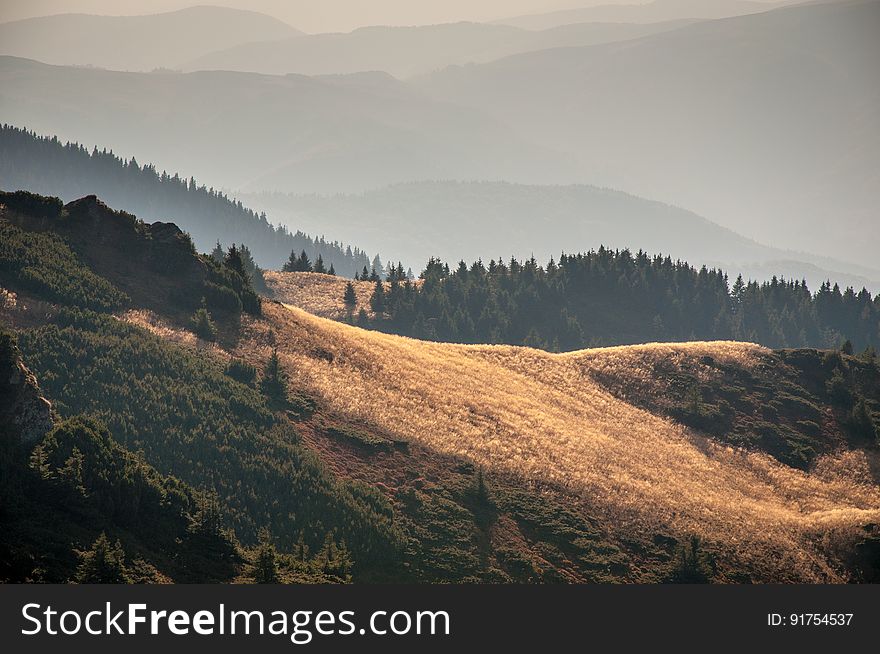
(241, 371)
(202, 325)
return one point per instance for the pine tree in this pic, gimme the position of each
(291, 264)
(319, 265)
(862, 422)
(332, 270)
(264, 569)
(234, 262)
(102, 564)
(217, 253)
(693, 565)
(377, 299)
(350, 299)
(274, 382)
(202, 325)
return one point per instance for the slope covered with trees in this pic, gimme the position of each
(68, 170)
(613, 297)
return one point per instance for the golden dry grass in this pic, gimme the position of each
(318, 294)
(542, 417)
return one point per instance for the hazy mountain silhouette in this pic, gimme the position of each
(136, 42)
(766, 123)
(454, 221)
(650, 12)
(406, 51)
(294, 133)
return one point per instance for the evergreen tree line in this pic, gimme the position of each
(46, 165)
(614, 297)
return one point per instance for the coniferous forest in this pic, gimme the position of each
(46, 165)
(610, 297)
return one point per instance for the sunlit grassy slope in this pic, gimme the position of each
(316, 293)
(542, 417)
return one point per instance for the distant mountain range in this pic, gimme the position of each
(766, 123)
(136, 42)
(763, 123)
(454, 221)
(256, 132)
(642, 12)
(407, 51)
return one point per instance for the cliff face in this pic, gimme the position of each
(24, 412)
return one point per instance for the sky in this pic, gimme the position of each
(316, 15)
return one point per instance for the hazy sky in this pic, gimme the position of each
(316, 15)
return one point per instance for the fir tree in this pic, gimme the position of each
(377, 299)
(319, 265)
(264, 569)
(274, 382)
(202, 324)
(350, 299)
(102, 564)
(217, 253)
(234, 262)
(291, 264)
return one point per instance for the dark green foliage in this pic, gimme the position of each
(78, 483)
(349, 298)
(227, 291)
(264, 569)
(44, 265)
(252, 272)
(319, 266)
(377, 299)
(862, 422)
(797, 405)
(194, 422)
(331, 564)
(274, 381)
(32, 204)
(299, 263)
(839, 389)
(202, 325)
(104, 563)
(241, 371)
(233, 261)
(48, 166)
(693, 566)
(66, 259)
(608, 297)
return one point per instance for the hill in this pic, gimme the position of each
(408, 51)
(600, 297)
(698, 117)
(136, 42)
(402, 460)
(641, 12)
(67, 483)
(546, 420)
(290, 133)
(44, 165)
(469, 221)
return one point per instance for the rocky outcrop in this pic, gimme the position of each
(23, 410)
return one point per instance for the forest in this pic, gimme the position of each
(614, 297)
(68, 170)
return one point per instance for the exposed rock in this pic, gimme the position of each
(22, 407)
